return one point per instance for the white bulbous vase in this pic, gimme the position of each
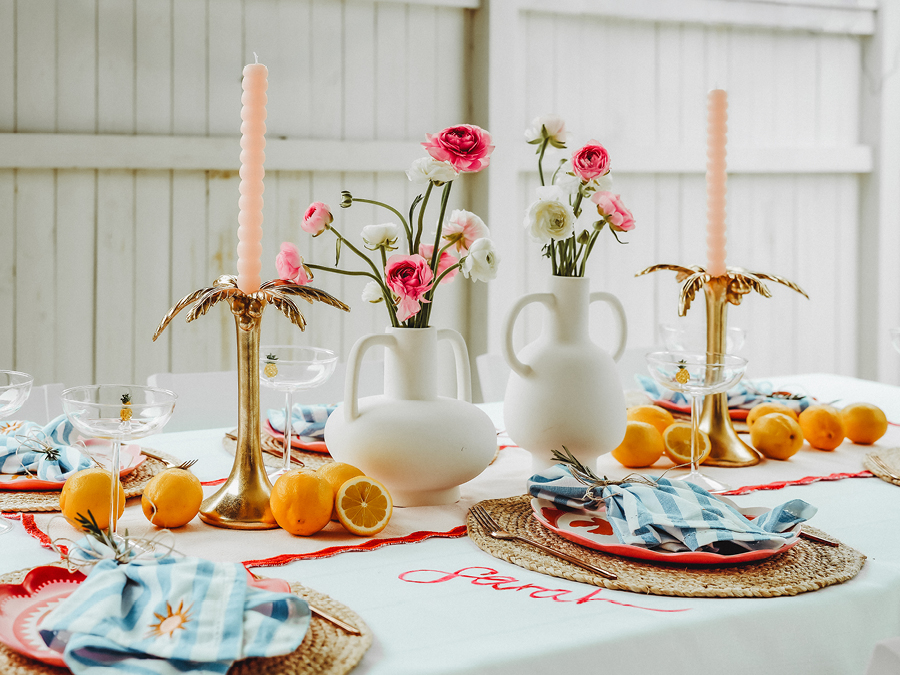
(564, 389)
(421, 446)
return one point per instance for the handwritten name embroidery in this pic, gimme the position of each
(485, 576)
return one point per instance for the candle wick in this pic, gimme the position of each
(255, 57)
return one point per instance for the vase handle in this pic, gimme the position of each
(354, 363)
(461, 354)
(509, 352)
(613, 302)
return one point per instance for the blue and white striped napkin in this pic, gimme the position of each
(743, 396)
(673, 516)
(171, 616)
(306, 420)
(23, 448)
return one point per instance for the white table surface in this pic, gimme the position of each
(459, 626)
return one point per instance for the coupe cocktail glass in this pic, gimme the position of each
(696, 375)
(14, 390)
(289, 369)
(119, 413)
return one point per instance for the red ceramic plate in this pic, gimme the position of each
(23, 607)
(130, 458)
(299, 442)
(594, 531)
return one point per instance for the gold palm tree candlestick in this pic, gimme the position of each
(242, 503)
(727, 448)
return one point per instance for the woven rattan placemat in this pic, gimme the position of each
(889, 456)
(48, 500)
(273, 452)
(326, 649)
(806, 567)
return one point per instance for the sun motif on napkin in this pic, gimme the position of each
(172, 621)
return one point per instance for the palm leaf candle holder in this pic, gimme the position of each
(243, 500)
(727, 448)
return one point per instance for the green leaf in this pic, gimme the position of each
(557, 144)
(337, 250)
(536, 141)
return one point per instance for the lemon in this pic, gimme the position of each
(89, 490)
(758, 411)
(777, 436)
(364, 506)
(677, 444)
(301, 502)
(642, 445)
(336, 474)
(172, 498)
(864, 423)
(822, 427)
(651, 414)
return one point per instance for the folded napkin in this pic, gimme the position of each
(306, 420)
(170, 616)
(673, 516)
(743, 396)
(42, 451)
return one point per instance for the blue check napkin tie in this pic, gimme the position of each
(24, 449)
(306, 420)
(673, 516)
(742, 396)
(171, 616)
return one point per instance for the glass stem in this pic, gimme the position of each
(114, 486)
(695, 434)
(288, 429)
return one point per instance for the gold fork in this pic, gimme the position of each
(186, 464)
(493, 529)
(883, 467)
(353, 630)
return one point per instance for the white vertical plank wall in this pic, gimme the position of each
(98, 239)
(635, 76)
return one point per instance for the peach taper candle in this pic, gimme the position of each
(717, 130)
(253, 143)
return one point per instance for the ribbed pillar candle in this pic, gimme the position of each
(716, 181)
(253, 143)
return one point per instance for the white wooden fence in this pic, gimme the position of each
(118, 158)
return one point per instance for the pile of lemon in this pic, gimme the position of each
(304, 501)
(778, 432)
(652, 432)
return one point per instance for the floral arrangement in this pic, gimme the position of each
(552, 218)
(407, 282)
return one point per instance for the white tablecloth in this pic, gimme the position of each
(430, 613)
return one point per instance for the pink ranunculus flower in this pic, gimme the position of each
(318, 217)
(409, 277)
(590, 161)
(466, 147)
(446, 261)
(464, 228)
(289, 264)
(610, 206)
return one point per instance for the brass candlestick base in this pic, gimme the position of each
(727, 448)
(242, 503)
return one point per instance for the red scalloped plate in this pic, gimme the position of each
(130, 457)
(23, 606)
(594, 531)
(299, 442)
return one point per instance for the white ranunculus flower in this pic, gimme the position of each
(555, 128)
(550, 216)
(372, 292)
(603, 183)
(567, 182)
(481, 262)
(428, 169)
(381, 236)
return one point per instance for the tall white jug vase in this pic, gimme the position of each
(421, 446)
(564, 389)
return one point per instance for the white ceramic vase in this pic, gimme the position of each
(421, 446)
(564, 389)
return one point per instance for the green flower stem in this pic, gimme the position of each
(414, 248)
(383, 257)
(553, 257)
(541, 159)
(388, 298)
(442, 275)
(389, 208)
(576, 207)
(445, 197)
(362, 255)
